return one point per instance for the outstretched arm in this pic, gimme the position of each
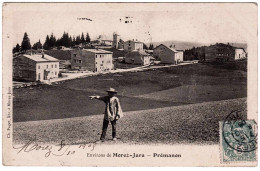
(97, 97)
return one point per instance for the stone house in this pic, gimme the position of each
(138, 57)
(36, 67)
(132, 45)
(223, 52)
(95, 60)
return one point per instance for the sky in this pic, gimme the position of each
(204, 23)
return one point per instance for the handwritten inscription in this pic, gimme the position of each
(61, 149)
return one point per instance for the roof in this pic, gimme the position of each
(240, 48)
(174, 50)
(38, 58)
(160, 45)
(140, 52)
(98, 51)
(133, 41)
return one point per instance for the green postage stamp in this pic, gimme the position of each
(238, 139)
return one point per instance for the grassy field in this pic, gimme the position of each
(151, 89)
(194, 123)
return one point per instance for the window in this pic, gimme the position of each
(39, 67)
(96, 56)
(75, 55)
(51, 66)
(47, 66)
(80, 61)
(55, 73)
(75, 61)
(55, 65)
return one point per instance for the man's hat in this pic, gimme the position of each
(112, 90)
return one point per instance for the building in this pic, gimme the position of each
(168, 55)
(157, 51)
(132, 45)
(137, 57)
(240, 53)
(171, 56)
(95, 60)
(37, 67)
(116, 38)
(117, 42)
(223, 52)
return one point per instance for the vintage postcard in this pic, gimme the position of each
(130, 84)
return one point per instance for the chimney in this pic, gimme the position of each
(42, 55)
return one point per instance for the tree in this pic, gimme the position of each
(52, 41)
(46, 44)
(151, 47)
(82, 39)
(14, 50)
(145, 46)
(26, 45)
(73, 41)
(70, 42)
(37, 45)
(17, 48)
(78, 40)
(88, 38)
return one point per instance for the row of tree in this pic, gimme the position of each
(148, 48)
(197, 53)
(51, 42)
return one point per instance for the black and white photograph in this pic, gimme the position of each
(145, 84)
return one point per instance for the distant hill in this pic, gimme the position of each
(182, 45)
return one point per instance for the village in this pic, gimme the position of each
(166, 82)
(103, 56)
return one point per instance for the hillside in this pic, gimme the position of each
(182, 45)
(136, 90)
(195, 123)
(59, 54)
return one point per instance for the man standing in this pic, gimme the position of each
(113, 112)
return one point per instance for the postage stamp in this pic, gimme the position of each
(238, 138)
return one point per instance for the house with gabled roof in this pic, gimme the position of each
(138, 57)
(96, 60)
(167, 55)
(35, 67)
